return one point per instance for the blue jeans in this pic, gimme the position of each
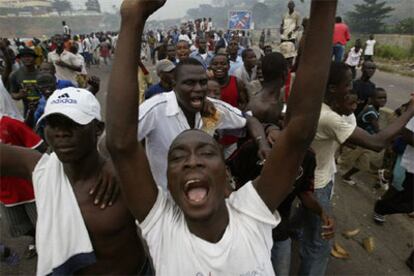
(281, 257)
(314, 251)
(338, 52)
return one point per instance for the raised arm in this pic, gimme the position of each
(281, 168)
(380, 140)
(127, 153)
(18, 161)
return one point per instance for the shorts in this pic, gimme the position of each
(362, 159)
(20, 219)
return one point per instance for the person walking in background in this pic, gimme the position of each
(66, 29)
(353, 58)
(369, 48)
(340, 38)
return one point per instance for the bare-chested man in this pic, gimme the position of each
(196, 230)
(73, 124)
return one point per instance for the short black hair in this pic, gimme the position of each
(337, 73)
(274, 66)
(44, 76)
(220, 55)
(338, 19)
(185, 41)
(245, 52)
(184, 62)
(379, 89)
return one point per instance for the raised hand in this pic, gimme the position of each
(130, 9)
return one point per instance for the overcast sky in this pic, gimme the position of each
(172, 9)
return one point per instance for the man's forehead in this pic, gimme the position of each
(192, 72)
(191, 138)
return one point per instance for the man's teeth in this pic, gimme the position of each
(192, 181)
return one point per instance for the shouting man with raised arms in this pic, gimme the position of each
(198, 230)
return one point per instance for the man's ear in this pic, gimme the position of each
(100, 127)
(331, 88)
(173, 83)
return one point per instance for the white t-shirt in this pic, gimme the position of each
(63, 73)
(87, 45)
(7, 104)
(66, 30)
(80, 47)
(161, 120)
(407, 160)
(353, 57)
(244, 248)
(333, 130)
(369, 50)
(235, 64)
(81, 61)
(209, 26)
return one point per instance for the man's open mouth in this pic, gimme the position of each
(196, 191)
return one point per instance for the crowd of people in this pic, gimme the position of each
(209, 160)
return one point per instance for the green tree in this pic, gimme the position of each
(405, 26)
(369, 16)
(62, 6)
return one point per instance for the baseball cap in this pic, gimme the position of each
(77, 104)
(287, 49)
(164, 65)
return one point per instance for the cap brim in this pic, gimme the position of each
(74, 115)
(168, 69)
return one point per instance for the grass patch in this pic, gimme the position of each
(393, 52)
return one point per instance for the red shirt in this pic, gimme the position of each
(13, 190)
(287, 85)
(230, 95)
(341, 34)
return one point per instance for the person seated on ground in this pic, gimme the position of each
(72, 234)
(165, 71)
(367, 119)
(196, 229)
